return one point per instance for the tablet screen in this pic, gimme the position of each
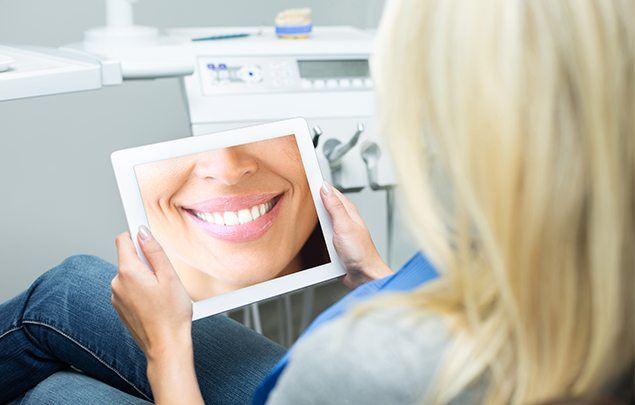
(233, 217)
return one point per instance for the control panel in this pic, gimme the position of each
(253, 75)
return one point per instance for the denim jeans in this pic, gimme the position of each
(65, 321)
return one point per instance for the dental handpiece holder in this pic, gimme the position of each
(371, 153)
(335, 150)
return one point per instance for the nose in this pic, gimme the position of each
(228, 166)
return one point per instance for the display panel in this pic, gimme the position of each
(233, 217)
(322, 69)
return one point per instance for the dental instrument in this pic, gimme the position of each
(227, 35)
(222, 37)
(335, 150)
(371, 154)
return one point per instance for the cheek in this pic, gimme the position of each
(157, 191)
(304, 206)
(157, 203)
(308, 212)
(160, 181)
(301, 185)
(294, 173)
(305, 216)
(286, 163)
(151, 195)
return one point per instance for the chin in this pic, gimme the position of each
(242, 277)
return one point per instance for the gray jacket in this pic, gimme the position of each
(384, 357)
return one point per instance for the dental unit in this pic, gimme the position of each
(246, 75)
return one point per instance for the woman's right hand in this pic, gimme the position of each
(352, 240)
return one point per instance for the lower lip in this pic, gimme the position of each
(240, 233)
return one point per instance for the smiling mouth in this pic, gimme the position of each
(239, 217)
(236, 219)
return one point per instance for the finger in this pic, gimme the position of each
(154, 253)
(126, 251)
(114, 283)
(115, 289)
(334, 205)
(351, 209)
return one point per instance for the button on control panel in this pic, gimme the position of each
(241, 75)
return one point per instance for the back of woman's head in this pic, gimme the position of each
(512, 128)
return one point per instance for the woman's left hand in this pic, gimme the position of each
(152, 302)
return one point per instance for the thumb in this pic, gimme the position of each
(155, 254)
(335, 207)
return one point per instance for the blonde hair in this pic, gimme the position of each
(525, 111)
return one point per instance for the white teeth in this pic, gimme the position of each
(244, 216)
(230, 218)
(218, 219)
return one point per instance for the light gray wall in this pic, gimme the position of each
(59, 193)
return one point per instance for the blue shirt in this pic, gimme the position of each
(414, 273)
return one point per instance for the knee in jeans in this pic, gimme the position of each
(81, 267)
(75, 282)
(84, 262)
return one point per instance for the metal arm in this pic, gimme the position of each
(335, 150)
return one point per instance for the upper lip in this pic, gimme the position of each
(231, 203)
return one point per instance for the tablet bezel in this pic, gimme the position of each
(124, 162)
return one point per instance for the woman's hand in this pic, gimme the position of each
(155, 307)
(352, 240)
(152, 302)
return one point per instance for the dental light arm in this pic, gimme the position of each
(119, 13)
(142, 52)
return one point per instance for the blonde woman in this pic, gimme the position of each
(512, 124)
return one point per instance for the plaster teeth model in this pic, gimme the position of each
(294, 23)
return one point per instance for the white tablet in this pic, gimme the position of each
(238, 212)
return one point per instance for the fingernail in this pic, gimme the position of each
(326, 187)
(144, 233)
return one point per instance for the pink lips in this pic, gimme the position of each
(236, 233)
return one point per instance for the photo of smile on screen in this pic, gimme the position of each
(238, 213)
(233, 217)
